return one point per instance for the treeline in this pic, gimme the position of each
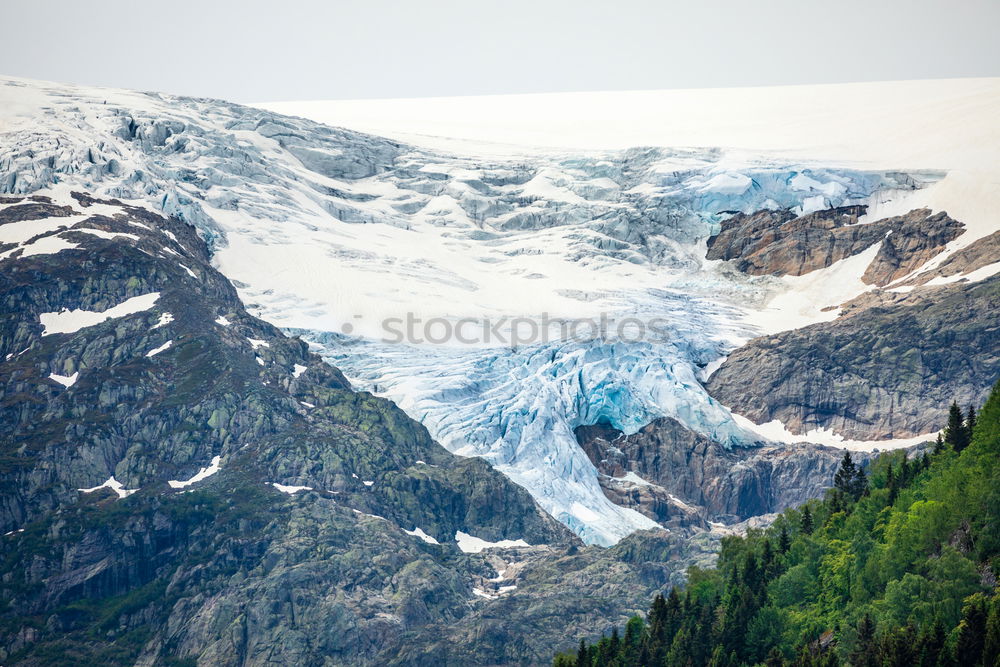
(896, 566)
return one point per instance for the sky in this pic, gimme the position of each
(255, 51)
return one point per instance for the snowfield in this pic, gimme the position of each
(71, 321)
(550, 209)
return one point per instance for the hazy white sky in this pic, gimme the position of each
(252, 50)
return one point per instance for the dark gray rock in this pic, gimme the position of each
(888, 369)
(688, 480)
(231, 571)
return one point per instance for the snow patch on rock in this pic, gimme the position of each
(156, 350)
(65, 380)
(290, 490)
(417, 532)
(203, 473)
(474, 545)
(114, 485)
(71, 321)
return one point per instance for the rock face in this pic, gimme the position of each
(910, 241)
(243, 505)
(683, 479)
(979, 254)
(888, 369)
(782, 243)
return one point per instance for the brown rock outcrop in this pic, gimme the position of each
(779, 243)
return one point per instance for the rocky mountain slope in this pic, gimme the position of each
(166, 457)
(888, 368)
(924, 333)
(683, 479)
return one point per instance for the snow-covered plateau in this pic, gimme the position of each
(344, 238)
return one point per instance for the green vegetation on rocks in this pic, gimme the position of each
(896, 566)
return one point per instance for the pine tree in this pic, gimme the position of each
(859, 485)
(680, 650)
(767, 559)
(703, 639)
(930, 644)
(672, 618)
(898, 647)
(784, 542)
(807, 521)
(615, 644)
(753, 574)
(863, 654)
(582, 655)
(658, 643)
(971, 631)
(957, 433)
(970, 422)
(991, 645)
(629, 652)
(939, 444)
(988, 421)
(837, 503)
(600, 653)
(892, 484)
(843, 481)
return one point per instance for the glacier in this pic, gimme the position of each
(330, 233)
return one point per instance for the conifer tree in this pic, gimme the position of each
(658, 643)
(600, 653)
(905, 471)
(615, 643)
(957, 433)
(892, 484)
(971, 631)
(807, 521)
(930, 644)
(673, 617)
(863, 654)
(859, 486)
(680, 650)
(991, 644)
(629, 652)
(767, 559)
(784, 542)
(703, 637)
(843, 481)
(564, 660)
(582, 655)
